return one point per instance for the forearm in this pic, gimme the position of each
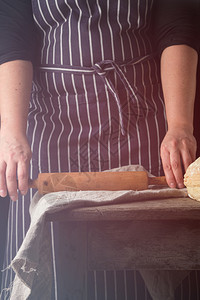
(178, 73)
(15, 153)
(15, 89)
(178, 148)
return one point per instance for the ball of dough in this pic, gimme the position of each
(192, 180)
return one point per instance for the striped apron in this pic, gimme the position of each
(96, 104)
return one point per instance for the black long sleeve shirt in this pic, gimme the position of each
(173, 22)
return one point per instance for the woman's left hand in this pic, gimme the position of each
(178, 151)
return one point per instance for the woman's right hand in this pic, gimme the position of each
(15, 155)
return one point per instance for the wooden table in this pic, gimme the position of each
(154, 234)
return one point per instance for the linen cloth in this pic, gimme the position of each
(32, 264)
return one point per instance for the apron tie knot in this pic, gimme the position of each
(102, 69)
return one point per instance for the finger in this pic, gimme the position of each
(193, 152)
(175, 160)
(165, 156)
(23, 174)
(11, 180)
(187, 157)
(3, 187)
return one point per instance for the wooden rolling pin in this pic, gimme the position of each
(82, 181)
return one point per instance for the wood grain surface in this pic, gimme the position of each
(163, 209)
(160, 245)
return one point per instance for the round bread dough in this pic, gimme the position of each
(192, 180)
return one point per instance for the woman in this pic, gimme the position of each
(96, 100)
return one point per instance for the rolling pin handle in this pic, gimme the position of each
(33, 183)
(157, 180)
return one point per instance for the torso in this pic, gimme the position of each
(74, 117)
